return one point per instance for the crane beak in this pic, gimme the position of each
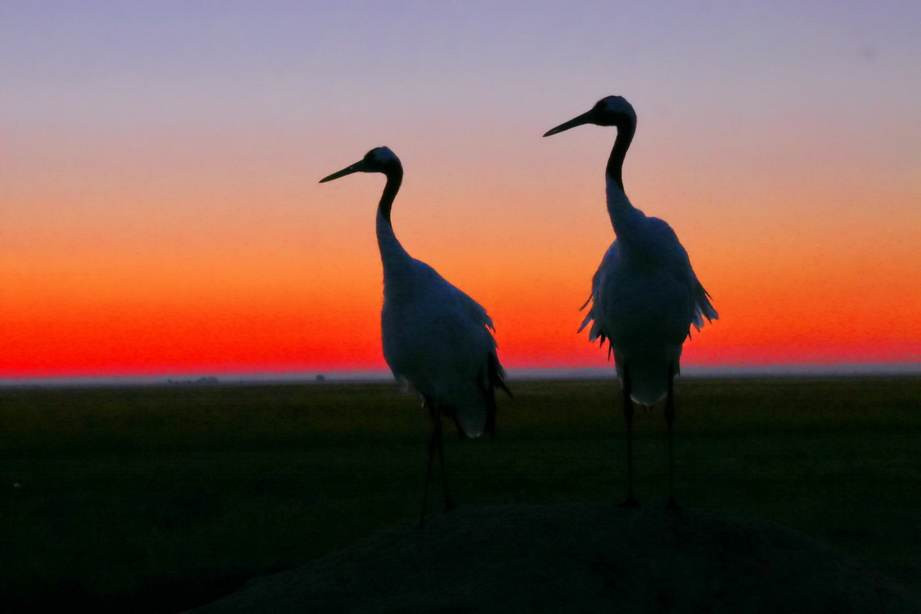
(355, 168)
(585, 118)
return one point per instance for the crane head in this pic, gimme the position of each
(609, 111)
(378, 160)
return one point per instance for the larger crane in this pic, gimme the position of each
(645, 295)
(436, 339)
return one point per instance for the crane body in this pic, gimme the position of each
(437, 329)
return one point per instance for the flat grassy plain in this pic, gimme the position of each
(157, 499)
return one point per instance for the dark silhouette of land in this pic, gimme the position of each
(162, 499)
(578, 558)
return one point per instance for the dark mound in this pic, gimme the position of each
(578, 558)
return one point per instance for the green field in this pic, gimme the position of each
(155, 499)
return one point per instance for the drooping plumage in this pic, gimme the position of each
(645, 296)
(436, 339)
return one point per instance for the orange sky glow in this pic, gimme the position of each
(163, 215)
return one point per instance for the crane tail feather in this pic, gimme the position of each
(703, 308)
(495, 378)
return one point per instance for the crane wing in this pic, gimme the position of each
(677, 261)
(475, 312)
(596, 331)
(702, 306)
(656, 248)
(438, 339)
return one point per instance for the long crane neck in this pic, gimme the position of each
(615, 168)
(393, 257)
(624, 216)
(394, 180)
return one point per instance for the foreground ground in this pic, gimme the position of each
(578, 557)
(161, 499)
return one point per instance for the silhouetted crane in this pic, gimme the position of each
(645, 295)
(436, 338)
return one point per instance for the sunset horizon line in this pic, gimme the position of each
(373, 375)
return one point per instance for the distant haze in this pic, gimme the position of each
(840, 370)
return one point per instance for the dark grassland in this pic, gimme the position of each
(157, 499)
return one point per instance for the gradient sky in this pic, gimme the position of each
(160, 211)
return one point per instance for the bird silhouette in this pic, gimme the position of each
(645, 296)
(436, 339)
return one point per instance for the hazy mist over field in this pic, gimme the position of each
(833, 370)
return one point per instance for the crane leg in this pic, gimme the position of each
(434, 445)
(428, 469)
(630, 501)
(449, 503)
(669, 419)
